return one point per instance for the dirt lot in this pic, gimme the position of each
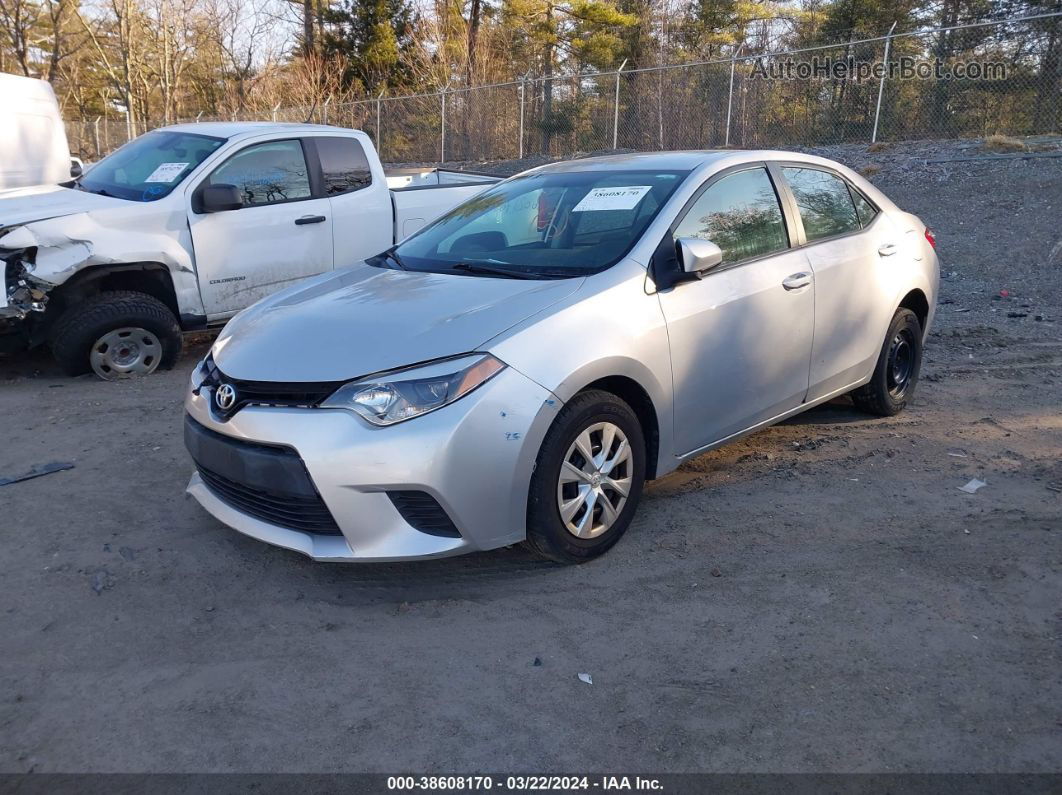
(819, 597)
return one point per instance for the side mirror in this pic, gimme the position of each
(697, 255)
(219, 198)
(77, 168)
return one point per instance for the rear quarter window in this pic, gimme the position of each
(344, 166)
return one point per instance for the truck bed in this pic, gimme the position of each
(425, 194)
(413, 178)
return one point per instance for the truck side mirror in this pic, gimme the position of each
(697, 255)
(77, 168)
(220, 198)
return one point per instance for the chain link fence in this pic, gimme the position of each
(964, 81)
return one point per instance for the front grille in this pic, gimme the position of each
(265, 393)
(422, 512)
(308, 514)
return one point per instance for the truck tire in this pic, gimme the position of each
(117, 334)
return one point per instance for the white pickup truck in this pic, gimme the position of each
(186, 225)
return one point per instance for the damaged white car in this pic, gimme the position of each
(184, 226)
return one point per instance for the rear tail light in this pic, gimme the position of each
(931, 237)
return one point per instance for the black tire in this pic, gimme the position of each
(547, 534)
(80, 326)
(887, 393)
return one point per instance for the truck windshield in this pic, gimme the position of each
(549, 225)
(149, 167)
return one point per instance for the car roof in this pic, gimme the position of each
(678, 161)
(230, 129)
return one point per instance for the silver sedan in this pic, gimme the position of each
(518, 369)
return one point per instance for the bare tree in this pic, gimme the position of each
(242, 33)
(19, 19)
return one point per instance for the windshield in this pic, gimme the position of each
(550, 225)
(149, 167)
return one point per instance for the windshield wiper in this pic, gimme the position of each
(490, 270)
(397, 260)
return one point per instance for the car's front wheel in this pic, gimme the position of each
(588, 479)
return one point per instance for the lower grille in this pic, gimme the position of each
(422, 512)
(268, 482)
(308, 514)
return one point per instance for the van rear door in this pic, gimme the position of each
(33, 148)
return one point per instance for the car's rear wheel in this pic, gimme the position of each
(117, 334)
(588, 479)
(896, 374)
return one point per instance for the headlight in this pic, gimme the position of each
(203, 371)
(409, 393)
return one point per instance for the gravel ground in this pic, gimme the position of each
(817, 597)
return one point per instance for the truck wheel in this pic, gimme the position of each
(117, 334)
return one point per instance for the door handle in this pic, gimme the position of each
(796, 280)
(310, 219)
(887, 249)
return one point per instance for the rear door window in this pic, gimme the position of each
(824, 202)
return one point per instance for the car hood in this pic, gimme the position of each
(23, 205)
(363, 320)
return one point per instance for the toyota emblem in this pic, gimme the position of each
(225, 397)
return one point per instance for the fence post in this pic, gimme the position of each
(379, 112)
(615, 110)
(324, 111)
(881, 83)
(442, 131)
(96, 135)
(520, 155)
(730, 99)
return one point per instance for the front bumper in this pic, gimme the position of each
(474, 457)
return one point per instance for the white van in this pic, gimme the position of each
(33, 148)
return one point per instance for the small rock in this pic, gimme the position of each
(101, 581)
(537, 662)
(716, 573)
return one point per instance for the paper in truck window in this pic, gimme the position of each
(621, 198)
(166, 172)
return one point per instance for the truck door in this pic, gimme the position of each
(282, 234)
(361, 206)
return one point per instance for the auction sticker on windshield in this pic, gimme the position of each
(166, 172)
(611, 199)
